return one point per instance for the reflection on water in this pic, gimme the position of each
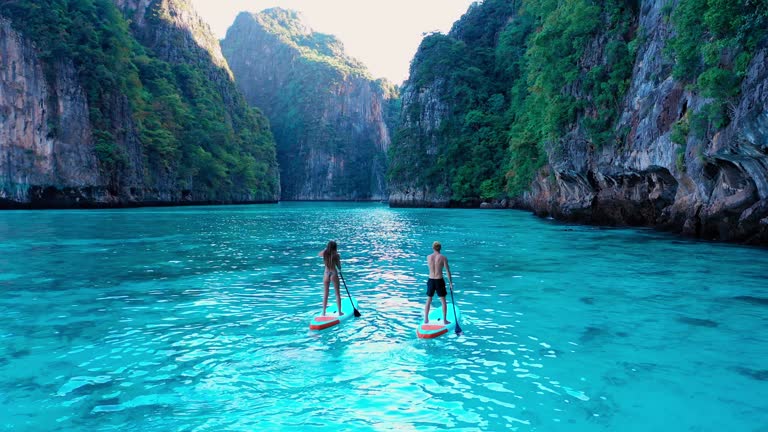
(197, 319)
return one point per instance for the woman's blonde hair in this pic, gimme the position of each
(436, 246)
(330, 254)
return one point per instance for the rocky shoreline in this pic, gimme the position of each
(617, 215)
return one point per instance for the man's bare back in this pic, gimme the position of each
(436, 261)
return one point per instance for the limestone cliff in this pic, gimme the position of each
(328, 116)
(450, 136)
(714, 187)
(176, 33)
(33, 164)
(650, 171)
(94, 112)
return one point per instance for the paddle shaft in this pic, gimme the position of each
(453, 303)
(357, 313)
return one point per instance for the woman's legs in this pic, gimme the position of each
(326, 283)
(338, 294)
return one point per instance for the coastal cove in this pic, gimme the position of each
(616, 113)
(195, 318)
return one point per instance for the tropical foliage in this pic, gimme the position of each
(314, 95)
(714, 44)
(186, 128)
(513, 77)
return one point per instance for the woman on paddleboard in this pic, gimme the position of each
(332, 260)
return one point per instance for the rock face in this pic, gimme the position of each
(50, 153)
(450, 139)
(328, 116)
(407, 187)
(712, 187)
(176, 33)
(31, 161)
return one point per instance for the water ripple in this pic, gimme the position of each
(196, 319)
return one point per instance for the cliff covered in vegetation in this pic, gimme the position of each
(328, 115)
(123, 103)
(620, 112)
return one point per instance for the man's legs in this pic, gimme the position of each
(445, 311)
(426, 309)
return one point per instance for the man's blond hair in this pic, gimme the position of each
(436, 246)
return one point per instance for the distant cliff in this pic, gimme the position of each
(95, 111)
(450, 146)
(328, 116)
(648, 113)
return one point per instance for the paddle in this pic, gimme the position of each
(357, 313)
(453, 303)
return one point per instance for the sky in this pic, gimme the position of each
(383, 34)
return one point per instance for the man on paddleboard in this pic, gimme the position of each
(436, 261)
(332, 260)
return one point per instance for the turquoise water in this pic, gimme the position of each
(196, 319)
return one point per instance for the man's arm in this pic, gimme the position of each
(448, 270)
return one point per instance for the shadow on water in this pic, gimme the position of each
(760, 301)
(759, 375)
(698, 322)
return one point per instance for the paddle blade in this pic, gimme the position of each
(458, 329)
(357, 313)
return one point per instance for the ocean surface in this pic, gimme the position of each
(196, 319)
